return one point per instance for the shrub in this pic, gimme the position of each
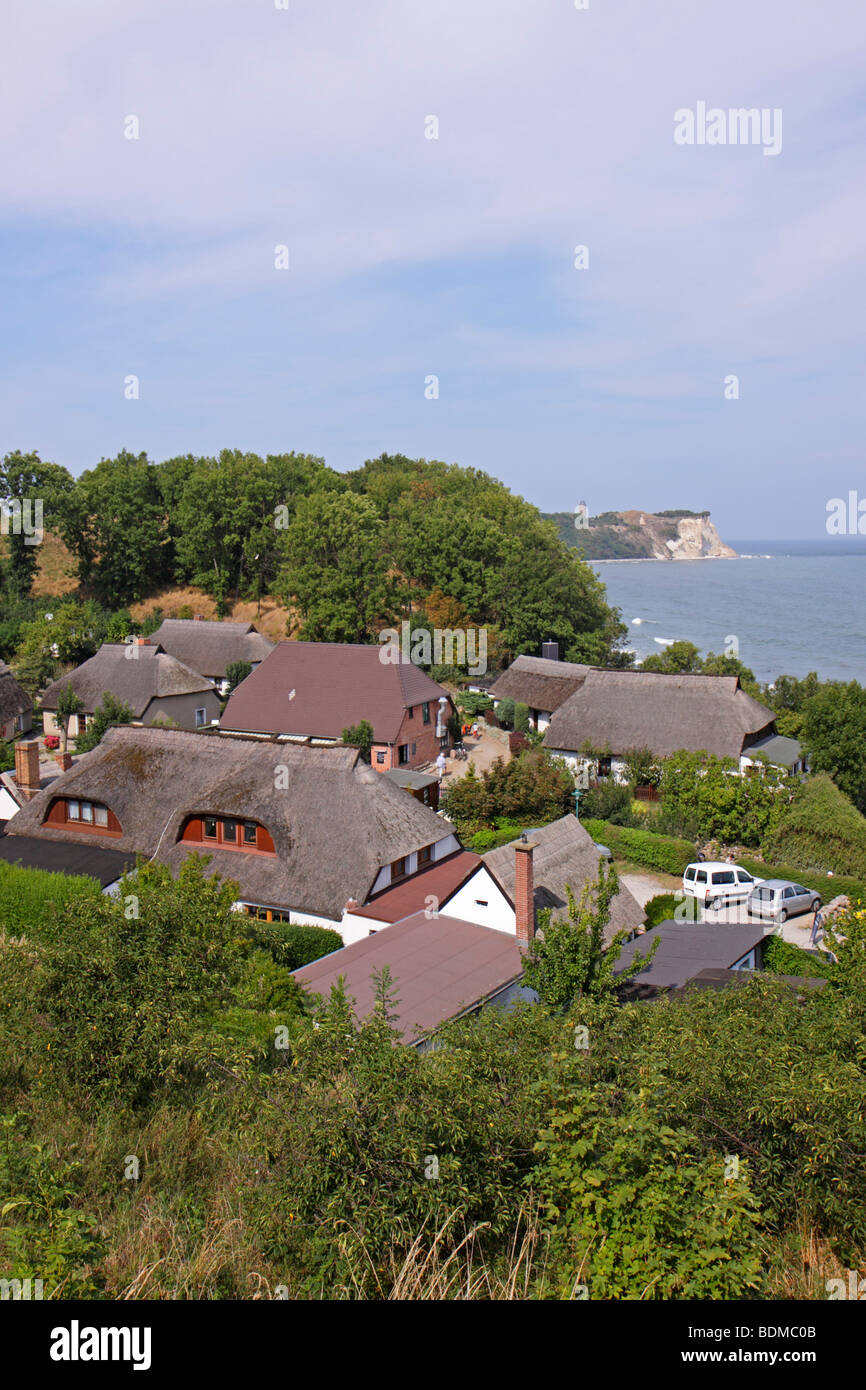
(533, 787)
(783, 958)
(660, 852)
(661, 908)
(7, 755)
(29, 898)
(293, 945)
(472, 702)
(505, 713)
(521, 718)
(610, 801)
(505, 832)
(820, 830)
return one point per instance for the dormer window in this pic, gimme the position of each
(228, 832)
(87, 813)
(82, 815)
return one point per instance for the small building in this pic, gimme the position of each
(211, 647)
(312, 691)
(424, 786)
(443, 969)
(154, 684)
(542, 683)
(16, 706)
(621, 710)
(687, 949)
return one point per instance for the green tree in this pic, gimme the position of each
(68, 704)
(111, 711)
(834, 734)
(237, 671)
(336, 569)
(360, 736)
(568, 957)
(678, 657)
(115, 524)
(28, 484)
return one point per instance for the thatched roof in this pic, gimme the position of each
(538, 682)
(13, 700)
(318, 689)
(621, 710)
(565, 855)
(334, 821)
(210, 647)
(134, 674)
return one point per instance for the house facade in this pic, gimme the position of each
(308, 834)
(540, 683)
(613, 712)
(155, 685)
(312, 691)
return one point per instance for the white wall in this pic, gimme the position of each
(498, 912)
(441, 850)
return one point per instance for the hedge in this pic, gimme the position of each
(783, 958)
(505, 832)
(663, 853)
(296, 944)
(661, 908)
(819, 883)
(28, 898)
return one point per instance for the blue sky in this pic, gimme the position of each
(453, 257)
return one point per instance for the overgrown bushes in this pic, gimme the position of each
(820, 830)
(663, 853)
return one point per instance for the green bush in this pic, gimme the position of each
(293, 945)
(505, 713)
(829, 888)
(820, 830)
(661, 908)
(610, 801)
(29, 898)
(521, 718)
(660, 852)
(505, 832)
(783, 958)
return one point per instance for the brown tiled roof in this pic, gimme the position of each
(441, 967)
(538, 682)
(334, 821)
(318, 689)
(134, 674)
(646, 709)
(439, 881)
(565, 856)
(210, 647)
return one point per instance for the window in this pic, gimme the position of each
(743, 877)
(411, 712)
(230, 832)
(210, 827)
(481, 902)
(604, 767)
(73, 810)
(724, 876)
(425, 855)
(398, 869)
(200, 718)
(414, 746)
(100, 815)
(403, 753)
(425, 711)
(87, 812)
(250, 832)
(380, 758)
(701, 876)
(789, 893)
(690, 874)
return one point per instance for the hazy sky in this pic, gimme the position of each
(411, 257)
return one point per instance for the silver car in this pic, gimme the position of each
(780, 899)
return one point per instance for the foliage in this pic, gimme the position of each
(111, 711)
(505, 712)
(533, 787)
(662, 853)
(678, 657)
(66, 634)
(638, 1211)
(28, 481)
(610, 801)
(237, 671)
(360, 736)
(114, 522)
(30, 898)
(336, 568)
(7, 755)
(295, 944)
(68, 704)
(568, 958)
(704, 791)
(473, 702)
(782, 957)
(820, 830)
(834, 735)
(661, 908)
(521, 718)
(503, 834)
(642, 767)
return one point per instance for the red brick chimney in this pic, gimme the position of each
(27, 767)
(524, 891)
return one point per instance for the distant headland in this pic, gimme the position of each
(635, 535)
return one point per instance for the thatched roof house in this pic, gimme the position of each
(565, 856)
(210, 647)
(623, 710)
(540, 683)
(154, 684)
(16, 706)
(301, 830)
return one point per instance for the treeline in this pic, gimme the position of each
(348, 554)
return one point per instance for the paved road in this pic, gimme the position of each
(796, 929)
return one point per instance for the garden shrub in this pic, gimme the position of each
(660, 852)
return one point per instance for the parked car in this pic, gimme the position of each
(781, 899)
(718, 884)
(603, 850)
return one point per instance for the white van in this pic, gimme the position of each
(717, 884)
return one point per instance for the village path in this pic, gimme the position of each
(483, 752)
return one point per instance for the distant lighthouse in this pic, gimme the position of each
(581, 516)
